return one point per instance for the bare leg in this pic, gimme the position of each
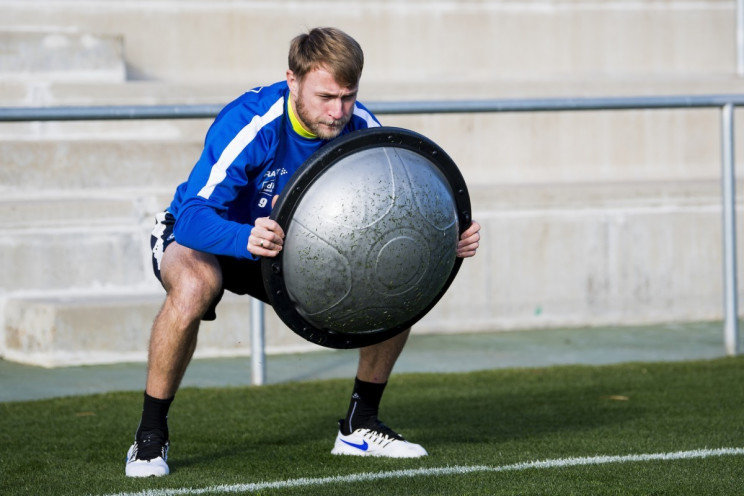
(376, 362)
(191, 279)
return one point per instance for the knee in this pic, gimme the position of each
(193, 293)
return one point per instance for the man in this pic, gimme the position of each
(217, 228)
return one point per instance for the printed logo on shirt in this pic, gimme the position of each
(268, 186)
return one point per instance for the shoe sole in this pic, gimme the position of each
(343, 449)
(151, 468)
(157, 467)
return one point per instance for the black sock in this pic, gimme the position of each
(155, 415)
(364, 405)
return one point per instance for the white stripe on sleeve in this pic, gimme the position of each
(237, 145)
(360, 112)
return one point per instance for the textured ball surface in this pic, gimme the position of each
(372, 243)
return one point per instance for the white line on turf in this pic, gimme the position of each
(424, 472)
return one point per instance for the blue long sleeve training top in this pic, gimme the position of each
(250, 152)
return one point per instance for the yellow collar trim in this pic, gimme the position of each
(296, 124)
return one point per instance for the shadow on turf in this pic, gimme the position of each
(437, 415)
(497, 413)
(293, 433)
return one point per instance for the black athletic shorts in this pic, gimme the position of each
(239, 276)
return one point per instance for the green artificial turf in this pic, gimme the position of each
(228, 438)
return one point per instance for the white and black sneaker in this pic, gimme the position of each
(375, 439)
(148, 455)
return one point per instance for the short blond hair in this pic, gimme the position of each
(331, 49)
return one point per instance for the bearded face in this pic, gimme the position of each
(323, 125)
(323, 106)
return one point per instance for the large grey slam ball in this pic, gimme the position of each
(370, 241)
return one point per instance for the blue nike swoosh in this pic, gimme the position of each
(362, 446)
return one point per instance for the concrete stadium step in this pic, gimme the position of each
(565, 147)
(596, 196)
(60, 54)
(83, 93)
(487, 40)
(79, 208)
(74, 258)
(89, 164)
(54, 94)
(77, 241)
(64, 328)
(654, 257)
(50, 93)
(96, 131)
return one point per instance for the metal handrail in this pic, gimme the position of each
(207, 111)
(726, 104)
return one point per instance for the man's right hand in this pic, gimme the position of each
(266, 239)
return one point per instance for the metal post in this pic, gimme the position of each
(740, 37)
(731, 316)
(258, 352)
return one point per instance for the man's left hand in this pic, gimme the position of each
(469, 241)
